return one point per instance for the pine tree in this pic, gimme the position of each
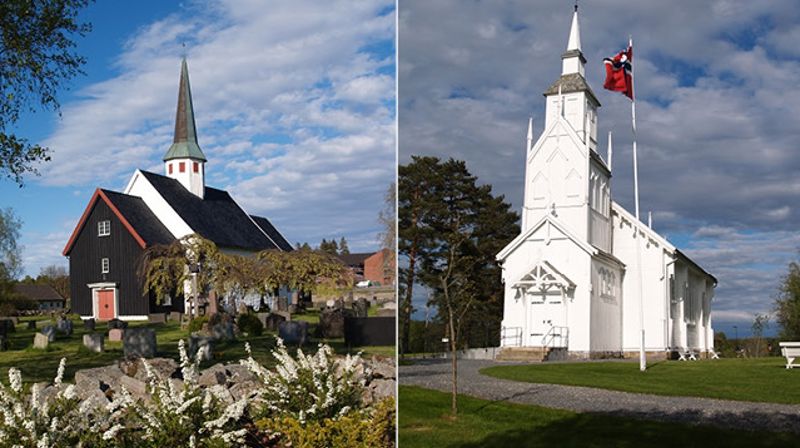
(343, 249)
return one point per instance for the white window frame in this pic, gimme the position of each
(105, 266)
(104, 228)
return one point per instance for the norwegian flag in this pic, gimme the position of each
(619, 73)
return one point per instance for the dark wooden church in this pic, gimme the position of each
(116, 228)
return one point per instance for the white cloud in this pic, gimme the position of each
(293, 111)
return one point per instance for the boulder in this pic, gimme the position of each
(222, 393)
(238, 373)
(139, 342)
(89, 324)
(50, 332)
(94, 400)
(383, 368)
(361, 307)
(115, 334)
(40, 341)
(64, 325)
(293, 332)
(215, 374)
(94, 342)
(162, 368)
(105, 379)
(137, 388)
(379, 389)
(245, 389)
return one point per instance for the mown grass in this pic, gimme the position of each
(753, 379)
(41, 365)
(425, 421)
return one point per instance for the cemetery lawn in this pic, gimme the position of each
(425, 421)
(41, 365)
(753, 379)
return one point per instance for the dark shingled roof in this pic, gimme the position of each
(273, 233)
(140, 218)
(355, 259)
(39, 293)
(216, 217)
(572, 82)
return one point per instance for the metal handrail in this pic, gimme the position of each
(553, 333)
(516, 336)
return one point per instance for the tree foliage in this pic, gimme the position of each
(164, 269)
(387, 218)
(452, 228)
(10, 258)
(787, 304)
(37, 56)
(57, 277)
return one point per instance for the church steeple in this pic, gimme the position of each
(185, 161)
(573, 61)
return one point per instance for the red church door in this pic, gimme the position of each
(105, 304)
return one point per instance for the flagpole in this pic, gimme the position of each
(642, 357)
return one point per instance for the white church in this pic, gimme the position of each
(571, 277)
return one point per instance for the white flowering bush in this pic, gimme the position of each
(31, 420)
(308, 387)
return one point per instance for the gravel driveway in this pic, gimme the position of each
(435, 374)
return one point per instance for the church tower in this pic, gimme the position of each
(564, 175)
(185, 161)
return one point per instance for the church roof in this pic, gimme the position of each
(272, 232)
(134, 215)
(216, 217)
(184, 143)
(571, 82)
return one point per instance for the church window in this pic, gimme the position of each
(104, 228)
(195, 167)
(169, 168)
(182, 167)
(104, 266)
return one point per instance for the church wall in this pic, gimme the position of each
(606, 314)
(654, 289)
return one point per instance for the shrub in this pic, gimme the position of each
(197, 323)
(250, 324)
(309, 388)
(363, 428)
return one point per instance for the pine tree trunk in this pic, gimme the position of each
(454, 403)
(407, 306)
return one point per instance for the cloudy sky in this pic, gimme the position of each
(294, 102)
(718, 101)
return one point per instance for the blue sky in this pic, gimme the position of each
(294, 102)
(717, 101)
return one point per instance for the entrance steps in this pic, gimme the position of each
(524, 354)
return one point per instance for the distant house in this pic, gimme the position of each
(370, 266)
(46, 298)
(117, 227)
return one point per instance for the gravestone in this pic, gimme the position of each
(292, 309)
(174, 316)
(222, 330)
(40, 340)
(139, 342)
(6, 326)
(89, 324)
(64, 325)
(31, 325)
(115, 334)
(361, 307)
(203, 344)
(116, 323)
(330, 303)
(262, 317)
(94, 342)
(331, 323)
(273, 321)
(293, 332)
(282, 304)
(157, 318)
(50, 332)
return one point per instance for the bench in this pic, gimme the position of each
(791, 350)
(714, 354)
(683, 354)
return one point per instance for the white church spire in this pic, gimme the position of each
(573, 60)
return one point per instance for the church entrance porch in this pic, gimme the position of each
(105, 301)
(547, 320)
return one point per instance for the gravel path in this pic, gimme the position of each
(435, 374)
